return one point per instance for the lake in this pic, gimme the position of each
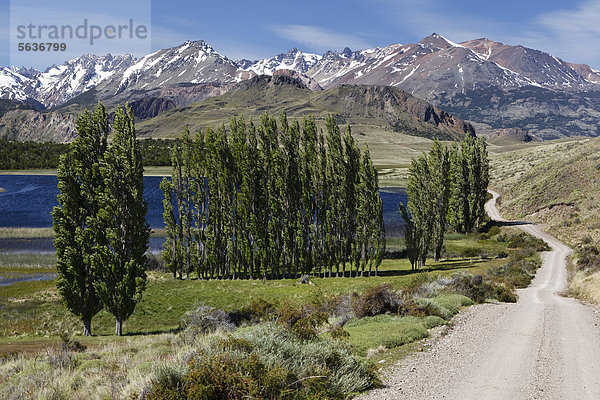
(27, 201)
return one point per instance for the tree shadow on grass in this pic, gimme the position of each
(154, 332)
(445, 265)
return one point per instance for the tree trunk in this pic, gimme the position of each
(87, 327)
(119, 326)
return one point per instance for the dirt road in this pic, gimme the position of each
(543, 347)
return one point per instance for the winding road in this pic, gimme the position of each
(545, 346)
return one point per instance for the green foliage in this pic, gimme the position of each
(272, 201)
(588, 257)
(119, 261)
(29, 155)
(205, 319)
(522, 240)
(267, 361)
(385, 330)
(78, 231)
(445, 187)
(36, 155)
(469, 179)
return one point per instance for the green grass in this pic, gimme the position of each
(386, 330)
(35, 311)
(34, 308)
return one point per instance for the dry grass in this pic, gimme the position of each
(555, 184)
(110, 371)
(26, 233)
(585, 285)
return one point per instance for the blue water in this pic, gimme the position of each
(28, 200)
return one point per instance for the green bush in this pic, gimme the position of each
(432, 321)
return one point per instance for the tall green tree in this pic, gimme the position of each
(458, 206)
(439, 190)
(419, 211)
(120, 262)
(469, 175)
(171, 252)
(76, 229)
(351, 182)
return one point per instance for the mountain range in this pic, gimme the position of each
(492, 85)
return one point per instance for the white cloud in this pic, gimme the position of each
(424, 17)
(571, 34)
(319, 39)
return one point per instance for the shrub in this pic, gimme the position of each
(333, 359)
(69, 344)
(523, 240)
(337, 332)
(377, 300)
(432, 321)
(155, 263)
(202, 320)
(167, 384)
(588, 257)
(477, 289)
(257, 311)
(224, 376)
(62, 360)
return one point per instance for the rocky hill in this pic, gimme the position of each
(378, 107)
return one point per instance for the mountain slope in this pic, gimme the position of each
(293, 59)
(378, 107)
(491, 84)
(556, 184)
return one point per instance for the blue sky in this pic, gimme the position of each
(260, 28)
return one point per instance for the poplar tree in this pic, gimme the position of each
(76, 230)
(309, 176)
(351, 181)
(419, 211)
(120, 262)
(458, 209)
(336, 211)
(200, 200)
(439, 190)
(171, 252)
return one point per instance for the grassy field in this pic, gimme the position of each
(35, 309)
(35, 359)
(556, 184)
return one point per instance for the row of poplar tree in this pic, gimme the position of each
(100, 229)
(447, 190)
(272, 201)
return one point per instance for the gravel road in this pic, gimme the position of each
(543, 347)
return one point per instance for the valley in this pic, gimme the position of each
(508, 308)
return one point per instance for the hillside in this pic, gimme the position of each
(375, 107)
(555, 184)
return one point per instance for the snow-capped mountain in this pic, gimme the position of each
(59, 84)
(437, 65)
(192, 62)
(555, 97)
(14, 85)
(294, 60)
